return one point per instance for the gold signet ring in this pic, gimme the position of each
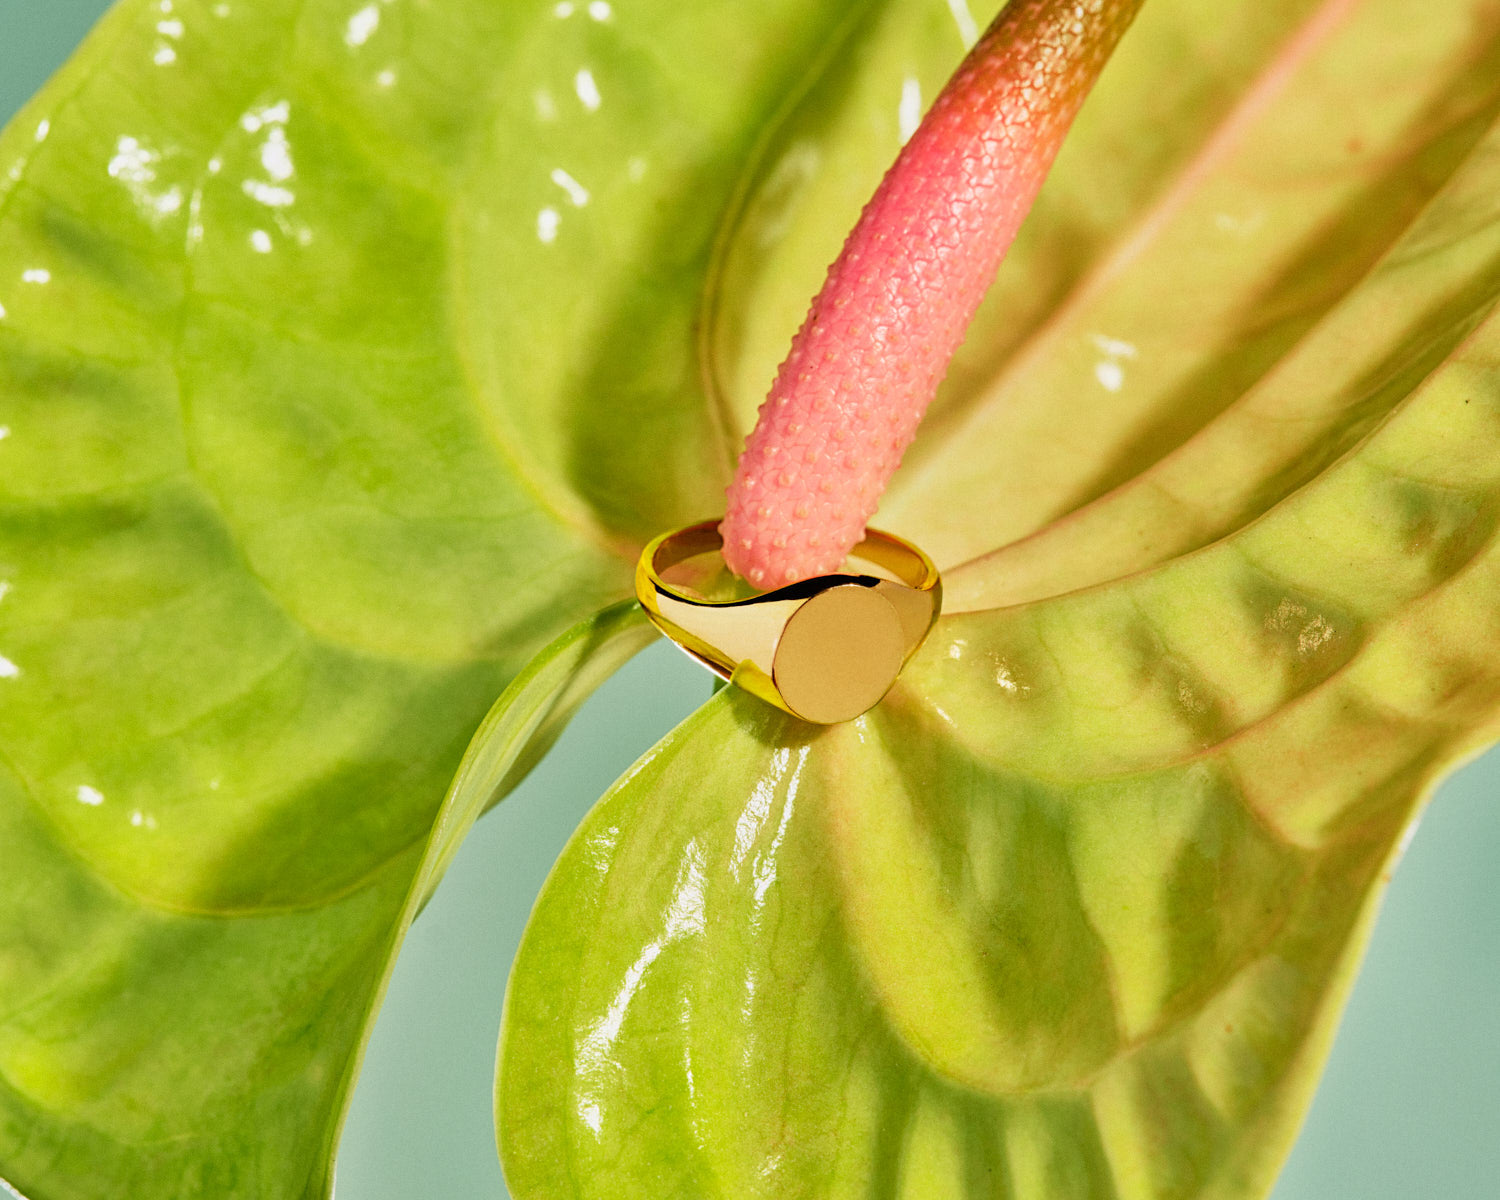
(826, 649)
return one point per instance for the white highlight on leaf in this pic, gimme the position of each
(1006, 681)
(164, 56)
(267, 114)
(1111, 375)
(909, 112)
(765, 864)
(1404, 845)
(268, 194)
(546, 107)
(587, 89)
(261, 241)
(8, 669)
(547, 222)
(1108, 371)
(361, 25)
(757, 809)
(968, 28)
(91, 796)
(577, 193)
(685, 916)
(1115, 347)
(44, 127)
(276, 155)
(134, 164)
(172, 29)
(36, 275)
(563, 11)
(600, 10)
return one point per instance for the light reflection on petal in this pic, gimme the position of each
(276, 156)
(685, 916)
(267, 194)
(1111, 375)
(587, 89)
(968, 28)
(758, 808)
(361, 25)
(577, 193)
(909, 113)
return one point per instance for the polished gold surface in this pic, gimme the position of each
(825, 650)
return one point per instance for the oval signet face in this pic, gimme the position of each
(839, 654)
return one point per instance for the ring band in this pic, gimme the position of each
(826, 649)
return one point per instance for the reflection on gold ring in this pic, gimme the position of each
(826, 649)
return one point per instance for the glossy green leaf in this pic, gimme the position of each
(240, 1033)
(1241, 170)
(1071, 916)
(347, 351)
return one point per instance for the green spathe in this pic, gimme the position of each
(348, 352)
(1073, 913)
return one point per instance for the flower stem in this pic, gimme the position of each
(874, 347)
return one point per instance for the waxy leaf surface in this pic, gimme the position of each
(1072, 914)
(347, 351)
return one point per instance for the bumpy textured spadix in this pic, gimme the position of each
(874, 347)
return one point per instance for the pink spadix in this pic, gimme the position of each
(874, 347)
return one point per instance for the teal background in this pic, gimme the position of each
(1409, 1108)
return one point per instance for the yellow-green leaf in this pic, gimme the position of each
(1072, 914)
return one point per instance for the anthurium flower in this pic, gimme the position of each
(870, 355)
(349, 353)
